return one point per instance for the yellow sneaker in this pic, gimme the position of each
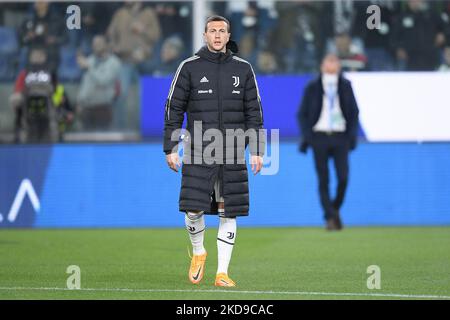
(222, 280)
(197, 268)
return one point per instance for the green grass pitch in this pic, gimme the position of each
(267, 263)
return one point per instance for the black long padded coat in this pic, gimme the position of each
(216, 91)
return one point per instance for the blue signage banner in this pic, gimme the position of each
(23, 170)
(119, 185)
(280, 95)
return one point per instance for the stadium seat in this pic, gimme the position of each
(5, 69)
(68, 67)
(8, 51)
(8, 41)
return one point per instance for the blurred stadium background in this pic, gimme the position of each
(106, 168)
(399, 174)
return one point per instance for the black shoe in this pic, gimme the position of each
(338, 220)
(332, 224)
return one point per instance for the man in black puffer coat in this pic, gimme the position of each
(218, 92)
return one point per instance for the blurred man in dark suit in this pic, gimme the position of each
(419, 35)
(328, 119)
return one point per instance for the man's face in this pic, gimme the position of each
(217, 36)
(343, 43)
(331, 65)
(99, 46)
(168, 52)
(415, 5)
(37, 57)
(41, 8)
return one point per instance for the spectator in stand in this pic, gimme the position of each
(44, 29)
(418, 37)
(176, 18)
(170, 56)
(343, 15)
(256, 17)
(95, 19)
(36, 91)
(267, 18)
(99, 86)
(13, 14)
(377, 42)
(243, 17)
(247, 47)
(266, 63)
(350, 56)
(294, 39)
(133, 34)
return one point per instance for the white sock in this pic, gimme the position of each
(195, 225)
(225, 243)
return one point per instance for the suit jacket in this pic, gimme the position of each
(311, 107)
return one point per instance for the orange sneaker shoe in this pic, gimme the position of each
(222, 280)
(197, 268)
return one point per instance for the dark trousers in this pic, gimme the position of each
(336, 147)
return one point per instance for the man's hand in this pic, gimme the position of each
(353, 143)
(69, 117)
(402, 54)
(82, 61)
(50, 40)
(439, 40)
(137, 27)
(173, 160)
(257, 163)
(303, 147)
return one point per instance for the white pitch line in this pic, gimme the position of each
(300, 293)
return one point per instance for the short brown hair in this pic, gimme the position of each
(217, 18)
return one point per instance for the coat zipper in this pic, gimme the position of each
(219, 98)
(221, 129)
